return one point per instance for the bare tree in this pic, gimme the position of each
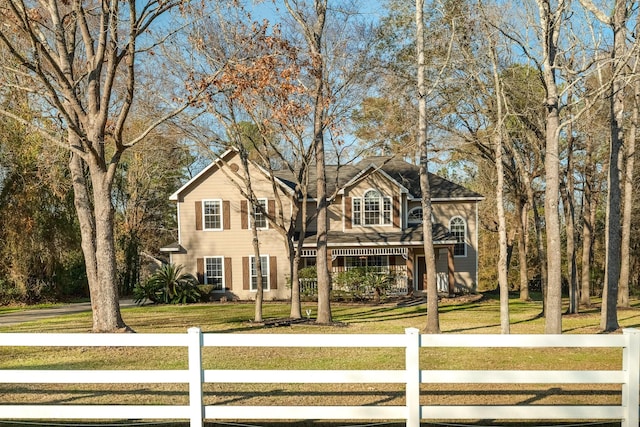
(551, 18)
(433, 319)
(618, 22)
(502, 223)
(312, 24)
(623, 295)
(77, 61)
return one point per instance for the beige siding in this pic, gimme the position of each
(375, 181)
(236, 242)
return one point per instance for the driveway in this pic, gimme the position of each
(28, 315)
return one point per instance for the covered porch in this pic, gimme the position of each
(404, 265)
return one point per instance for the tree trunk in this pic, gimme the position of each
(257, 315)
(296, 308)
(322, 254)
(433, 318)
(623, 292)
(95, 216)
(569, 213)
(609, 314)
(523, 248)
(588, 217)
(502, 223)
(550, 22)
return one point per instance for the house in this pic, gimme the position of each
(375, 220)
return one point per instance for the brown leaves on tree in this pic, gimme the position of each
(267, 72)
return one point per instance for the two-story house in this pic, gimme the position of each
(375, 220)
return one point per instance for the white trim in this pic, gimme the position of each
(221, 215)
(450, 199)
(381, 200)
(412, 243)
(204, 273)
(335, 253)
(179, 224)
(268, 271)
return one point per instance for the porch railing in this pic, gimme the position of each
(399, 287)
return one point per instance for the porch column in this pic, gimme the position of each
(452, 270)
(410, 272)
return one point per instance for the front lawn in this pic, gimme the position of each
(477, 315)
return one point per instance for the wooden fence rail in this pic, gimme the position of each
(412, 412)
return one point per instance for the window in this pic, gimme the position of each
(264, 264)
(458, 228)
(212, 214)
(214, 272)
(379, 263)
(357, 211)
(372, 209)
(415, 216)
(261, 219)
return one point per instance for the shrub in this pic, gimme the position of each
(168, 285)
(363, 283)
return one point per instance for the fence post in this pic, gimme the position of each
(196, 378)
(631, 366)
(412, 366)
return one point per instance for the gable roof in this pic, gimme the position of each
(404, 174)
(222, 159)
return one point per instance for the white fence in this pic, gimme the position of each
(412, 412)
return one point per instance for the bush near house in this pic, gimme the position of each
(362, 283)
(168, 285)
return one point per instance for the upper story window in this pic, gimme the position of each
(458, 228)
(260, 217)
(415, 216)
(372, 209)
(212, 214)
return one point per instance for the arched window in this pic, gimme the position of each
(372, 209)
(415, 216)
(458, 228)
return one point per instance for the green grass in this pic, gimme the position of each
(470, 316)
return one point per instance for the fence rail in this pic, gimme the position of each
(412, 412)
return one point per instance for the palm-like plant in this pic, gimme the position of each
(170, 286)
